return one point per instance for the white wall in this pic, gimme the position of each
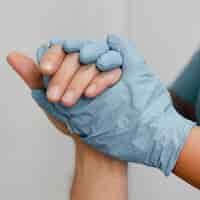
(37, 162)
(167, 33)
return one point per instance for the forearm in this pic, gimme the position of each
(98, 177)
(188, 164)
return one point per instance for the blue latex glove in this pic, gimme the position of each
(133, 121)
(90, 52)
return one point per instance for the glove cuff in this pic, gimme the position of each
(175, 133)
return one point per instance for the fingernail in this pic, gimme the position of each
(91, 89)
(54, 93)
(69, 97)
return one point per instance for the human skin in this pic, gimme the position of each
(87, 183)
(70, 79)
(190, 153)
(98, 176)
(188, 165)
(183, 167)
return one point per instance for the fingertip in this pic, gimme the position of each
(52, 99)
(118, 71)
(25, 68)
(118, 43)
(52, 95)
(12, 57)
(13, 60)
(90, 52)
(109, 61)
(55, 41)
(18, 61)
(69, 98)
(114, 76)
(91, 91)
(67, 103)
(51, 60)
(72, 46)
(113, 41)
(87, 55)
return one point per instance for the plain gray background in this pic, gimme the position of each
(36, 162)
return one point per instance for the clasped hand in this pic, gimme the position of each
(133, 120)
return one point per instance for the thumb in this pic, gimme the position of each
(26, 69)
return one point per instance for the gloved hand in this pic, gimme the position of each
(90, 52)
(133, 121)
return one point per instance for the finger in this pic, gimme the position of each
(128, 51)
(51, 60)
(55, 41)
(40, 52)
(109, 61)
(72, 46)
(26, 68)
(79, 83)
(90, 52)
(103, 81)
(44, 48)
(62, 78)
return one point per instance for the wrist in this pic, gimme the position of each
(98, 176)
(88, 159)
